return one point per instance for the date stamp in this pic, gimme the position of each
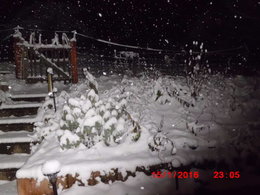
(195, 174)
(175, 174)
(226, 175)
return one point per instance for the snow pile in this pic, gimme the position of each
(51, 167)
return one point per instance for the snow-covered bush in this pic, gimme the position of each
(162, 144)
(91, 80)
(196, 68)
(160, 93)
(87, 120)
(166, 89)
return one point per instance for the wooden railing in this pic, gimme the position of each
(33, 59)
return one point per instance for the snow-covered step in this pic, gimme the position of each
(17, 124)
(16, 142)
(20, 105)
(39, 97)
(16, 137)
(17, 120)
(8, 174)
(5, 72)
(9, 164)
(19, 109)
(4, 86)
(12, 161)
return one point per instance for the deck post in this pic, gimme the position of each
(73, 59)
(18, 52)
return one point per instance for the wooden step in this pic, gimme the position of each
(9, 164)
(18, 111)
(4, 72)
(16, 142)
(17, 127)
(4, 86)
(17, 124)
(14, 148)
(29, 97)
(8, 174)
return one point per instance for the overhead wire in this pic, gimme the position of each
(119, 44)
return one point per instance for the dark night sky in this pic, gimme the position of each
(157, 23)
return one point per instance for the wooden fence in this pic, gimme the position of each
(33, 59)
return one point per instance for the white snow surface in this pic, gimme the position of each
(51, 167)
(220, 127)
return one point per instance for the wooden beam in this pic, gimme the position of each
(51, 64)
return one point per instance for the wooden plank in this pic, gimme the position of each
(8, 174)
(17, 127)
(18, 111)
(28, 99)
(49, 63)
(12, 148)
(30, 187)
(41, 69)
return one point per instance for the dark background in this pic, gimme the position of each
(164, 24)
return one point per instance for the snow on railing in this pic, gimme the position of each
(33, 57)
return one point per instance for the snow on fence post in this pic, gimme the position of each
(18, 53)
(73, 59)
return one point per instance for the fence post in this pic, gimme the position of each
(18, 53)
(18, 58)
(73, 59)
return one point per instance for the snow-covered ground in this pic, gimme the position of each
(221, 126)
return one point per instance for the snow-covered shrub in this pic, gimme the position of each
(92, 83)
(165, 89)
(87, 120)
(196, 68)
(160, 93)
(48, 119)
(162, 144)
(68, 139)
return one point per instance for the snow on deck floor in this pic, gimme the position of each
(16, 137)
(12, 161)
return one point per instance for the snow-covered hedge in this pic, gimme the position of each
(86, 120)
